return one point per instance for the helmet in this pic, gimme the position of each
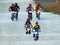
(28, 19)
(29, 4)
(36, 22)
(12, 3)
(15, 3)
(38, 3)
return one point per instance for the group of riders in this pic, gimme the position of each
(14, 8)
(36, 8)
(32, 28)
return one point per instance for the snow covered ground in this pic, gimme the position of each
(13, 33)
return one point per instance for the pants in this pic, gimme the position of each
(13, 15)
(17, 15)
(36, 34)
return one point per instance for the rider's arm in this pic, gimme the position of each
(25, 25)
(32, 8)
(41, 6)
(18, 7)
(32, 28)
(9, 9)
(39, 29)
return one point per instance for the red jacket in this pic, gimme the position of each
(28, 8)
(27, 23)
(38, 7)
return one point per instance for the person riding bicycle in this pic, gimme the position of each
(17, 9)
(28, 25)
(29, 9)
(12, 8)
(36, 30)
(37, 8)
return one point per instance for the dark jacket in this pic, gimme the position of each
(17, 7)
(12, 8)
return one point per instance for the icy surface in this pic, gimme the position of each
(13, 33)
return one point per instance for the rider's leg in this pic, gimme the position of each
(31, 16)
(12, 17)
(34, 36)
(37, 36)
(30, 31)
(17, 16)
(26, 31)
(36, 12)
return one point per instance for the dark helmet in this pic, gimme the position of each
(38, 3)
(15, 3)
(36, 22)
(28, 19)
(29, 4)
(12, 3)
